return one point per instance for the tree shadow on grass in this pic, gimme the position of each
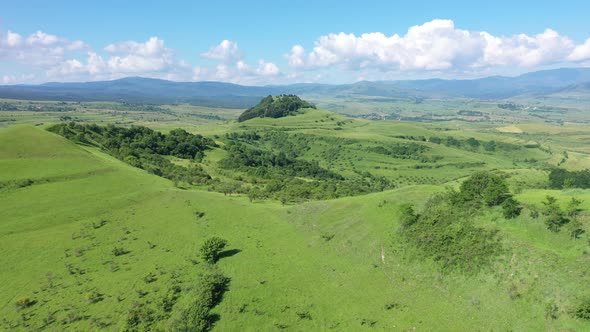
(228, 253)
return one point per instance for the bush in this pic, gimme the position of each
(408, 215)
(94, 297)
(118, 251)
(554, 217)
(486, 187)
(582, 311)
(25, 302)
(196, 316)
(444, 233)
(140, 318)
(511, 208)
(211, 249)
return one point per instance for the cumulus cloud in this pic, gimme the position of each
(231, 66)
(38, 49)
(41, 38)
(153, 59)
(581, 52)
(227, 51)
(13, 39)
(436, 46)
(150, 58)
(267, 68)
(131, 57)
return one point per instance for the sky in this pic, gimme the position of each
(283, 42)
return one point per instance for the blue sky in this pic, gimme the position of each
(274, 42)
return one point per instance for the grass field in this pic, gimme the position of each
(322, 265)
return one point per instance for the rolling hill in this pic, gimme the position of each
(94, 243)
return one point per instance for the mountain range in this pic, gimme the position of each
(567, 81)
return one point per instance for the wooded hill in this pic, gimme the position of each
(275, 107)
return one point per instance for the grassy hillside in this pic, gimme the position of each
(335, 264)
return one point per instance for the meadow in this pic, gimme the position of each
(94, 243)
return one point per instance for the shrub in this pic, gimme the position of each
(94, 297)
(444, 233)
(511, 208)
(582, 311)
(25, 302)
(140, 318)
(554, 217)
(149, 278)
(196, 316)
(211, 249)
(118, 251)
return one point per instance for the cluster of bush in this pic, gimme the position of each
(469, 143)
(144, 148)
(556, 218)
(268, 164)
(272, 160)
(560, 178)
(196, 315)
(445, 232)
(401, 151)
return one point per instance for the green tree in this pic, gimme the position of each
(573, 207)
(211, 249)
(486, 187)
(554, 217)
(408, 215)
(511, 208)
(490, 146)
(254, 194)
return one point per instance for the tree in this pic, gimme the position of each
(408, 215)
(511, 208)
(486, 187)
(573, 207)
(490, 146)
(572, 210)
(211, 249)
(254, 194)
(554, 217)
(473, 143)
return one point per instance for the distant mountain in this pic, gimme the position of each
(219, 94)
(500, 87)
(143, 90)
(577, 91)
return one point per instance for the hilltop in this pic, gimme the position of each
(275, 107)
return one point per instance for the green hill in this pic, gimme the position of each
(94, 243)
(275, 107)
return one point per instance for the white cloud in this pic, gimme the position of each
(242, 66)
(433, 46)
(232, 68)
(296, 57)
(267, 68)
(77, 45)
(227, 51)
(13, 39)
(581, 52)
(38, 49)
(153, 47)
(521, 50)
(131, 57)
(41, 38)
